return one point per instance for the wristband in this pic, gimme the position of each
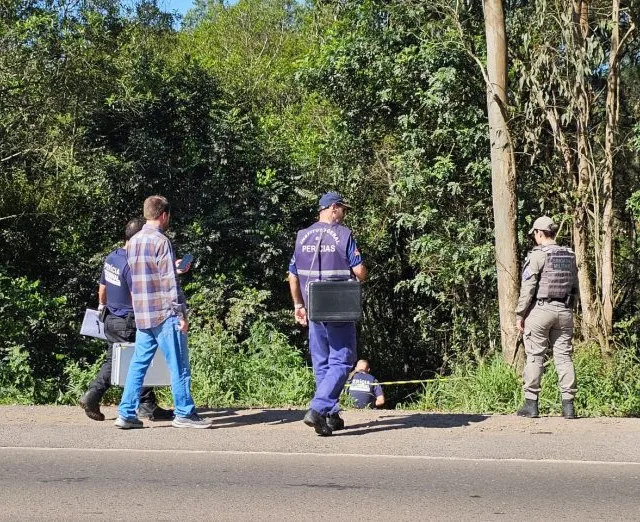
(297, 306)
(100, 307)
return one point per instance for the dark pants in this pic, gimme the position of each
(119, 330)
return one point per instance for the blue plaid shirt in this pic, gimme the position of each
(155, 290)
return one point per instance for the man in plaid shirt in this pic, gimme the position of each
(161, 319)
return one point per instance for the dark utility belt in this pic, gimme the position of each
(567, 301)
(129, 318)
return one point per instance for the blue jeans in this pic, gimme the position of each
(173, 344)
(333, 354)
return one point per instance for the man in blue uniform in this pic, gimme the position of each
(326, 250)
(114, 297)
(364, 387)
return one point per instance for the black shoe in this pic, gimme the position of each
(529, 409)
(568, 412)
(318, 422)
(335, 422)
(90, 403)
(154, 413)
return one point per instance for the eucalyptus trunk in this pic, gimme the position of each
(503, 177)
(583, 178)
(613, 81)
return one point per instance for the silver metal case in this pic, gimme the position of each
(157, 374)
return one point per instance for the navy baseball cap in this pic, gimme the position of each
(331, 198)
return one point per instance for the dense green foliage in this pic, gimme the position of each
(263, 370)
(242, 117)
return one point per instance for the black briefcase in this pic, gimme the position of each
(335, 301)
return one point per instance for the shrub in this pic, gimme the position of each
(37, 334)
(17, 385)
(263, 370)
(78, 375)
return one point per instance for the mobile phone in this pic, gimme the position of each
(186, 259)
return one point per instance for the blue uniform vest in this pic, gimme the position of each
(361, 389)
(116, 276)
(321, 254)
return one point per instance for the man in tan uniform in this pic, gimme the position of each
(544, 315)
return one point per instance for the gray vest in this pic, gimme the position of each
(558, 273)
(321, 254)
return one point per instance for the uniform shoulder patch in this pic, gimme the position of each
(526, 272)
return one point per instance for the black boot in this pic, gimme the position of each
(529, 409)
(90, 403)
(335, 422)
(153, 412)
(567, 409)
(319, 422)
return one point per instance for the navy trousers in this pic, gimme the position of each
(333, 354)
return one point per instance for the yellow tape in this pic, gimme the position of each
(415, 381)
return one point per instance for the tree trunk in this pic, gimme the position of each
(607, 181)
(580, 229)
(503, 177)
(590, 329)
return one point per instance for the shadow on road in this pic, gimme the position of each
(414, 420)
(232, 418)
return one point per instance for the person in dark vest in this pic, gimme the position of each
(326, 250)
(364, 387)
(114, 298)
(544, 315)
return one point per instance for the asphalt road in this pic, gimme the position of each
(266, 465)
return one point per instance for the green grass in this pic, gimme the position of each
(605, 387)
(266, 371)
(491, 387)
